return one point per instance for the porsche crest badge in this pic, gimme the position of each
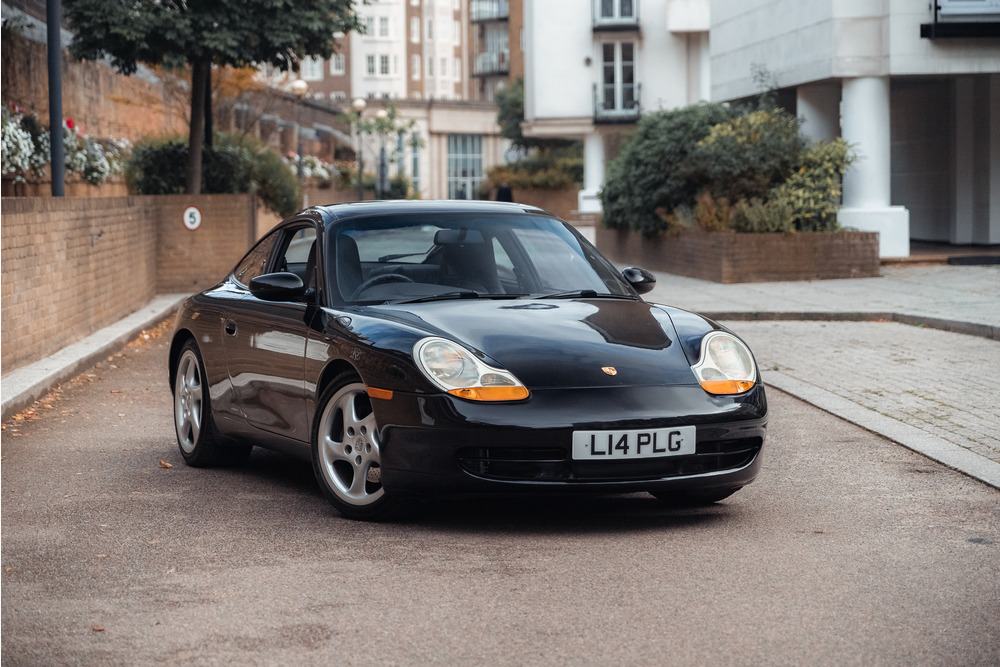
(610, 370)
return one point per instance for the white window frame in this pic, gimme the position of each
(311, 69)
(618, 85)
(338, 64)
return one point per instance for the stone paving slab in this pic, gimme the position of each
(932, 391)
(969, 294)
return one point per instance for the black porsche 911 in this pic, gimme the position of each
(419, 348)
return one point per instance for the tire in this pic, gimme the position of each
(346, 452)
(197, 437)
(693, 499)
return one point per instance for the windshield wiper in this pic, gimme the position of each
(462, 294)
(584, 294)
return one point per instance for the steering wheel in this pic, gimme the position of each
(379, 280)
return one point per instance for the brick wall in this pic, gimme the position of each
(104, 103)
(71, 266)
(728, 257)
(190, 261)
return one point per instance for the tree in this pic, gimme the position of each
(510, 116)
(202, 33)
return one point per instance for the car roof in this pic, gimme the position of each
(336, 212)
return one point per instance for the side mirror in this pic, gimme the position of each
(282, 286)
(641, 280)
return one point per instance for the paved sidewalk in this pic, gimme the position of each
(24, 386)
(926, 387)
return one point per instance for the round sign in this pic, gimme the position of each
(192, 218)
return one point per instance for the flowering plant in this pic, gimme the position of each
(27, 151)
(312, 167)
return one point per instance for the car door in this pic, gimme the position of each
(266, 342)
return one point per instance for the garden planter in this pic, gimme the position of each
(731, 257)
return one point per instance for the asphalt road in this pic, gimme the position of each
(848, 550)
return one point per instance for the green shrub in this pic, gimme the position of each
(233, 165)
(813, 192)
(758, 215)
(744, 157)
(644, 178)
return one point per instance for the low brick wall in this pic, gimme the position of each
(71, 266)
(729, 257)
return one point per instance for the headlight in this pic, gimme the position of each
(455, 370)
(726, 365)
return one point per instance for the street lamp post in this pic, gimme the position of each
(299, 89)
(383, 168)
(359, 105)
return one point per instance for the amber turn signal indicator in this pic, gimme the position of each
(384, 394)
(727, 386)
(491, 393)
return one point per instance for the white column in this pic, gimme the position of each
(992, 232)
(593, 174)
(864, 121)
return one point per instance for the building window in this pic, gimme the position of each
(618, 76)
(430, 66)
(415, 30)
(370, 26)
(430, 28)
(338, 64)
(311, 69)
(415, 67)
(370, 62)
(383, 26)
(465, 165)
(383, 62)
(457, 69)
(444, 67)
(458, 33)
(617, 9)
(338, 96)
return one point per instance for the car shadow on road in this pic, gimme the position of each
(566, 513)
(270, 473)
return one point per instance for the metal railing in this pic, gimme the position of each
(628, 113)
(492, 62)
(488, 10)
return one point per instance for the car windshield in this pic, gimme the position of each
(424, 257)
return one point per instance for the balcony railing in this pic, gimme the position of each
(626, 114)
(615, 15)
(489, 10)
(492, 62)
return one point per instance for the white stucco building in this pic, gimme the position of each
(915, 89)
(918, 95)
(592, 66)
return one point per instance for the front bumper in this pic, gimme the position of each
(435, 444)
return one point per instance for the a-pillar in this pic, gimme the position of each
(593, 174)
(867, 205)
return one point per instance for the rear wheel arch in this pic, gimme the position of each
(181, 337)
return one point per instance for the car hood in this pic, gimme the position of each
(560, 343)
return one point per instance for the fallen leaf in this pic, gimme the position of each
(164, 464)
(97, 628)
(115, 391)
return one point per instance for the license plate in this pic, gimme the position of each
(639, 444)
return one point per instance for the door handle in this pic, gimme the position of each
(230, 327)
